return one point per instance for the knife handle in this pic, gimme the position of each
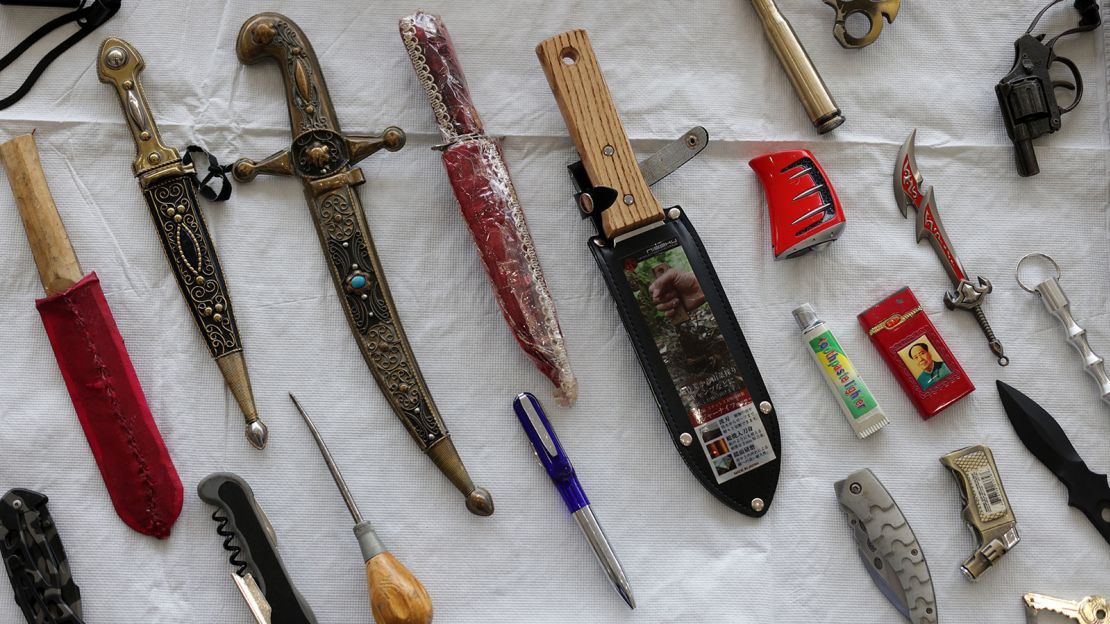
(591, 116)
(119, 65)
(437, 66)
(272, 35)
(50, 246)
(253, 543)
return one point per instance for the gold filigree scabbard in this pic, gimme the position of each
(170, 190)
(323, 158)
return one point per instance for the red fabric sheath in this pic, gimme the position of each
(480, 178)
(110, 404)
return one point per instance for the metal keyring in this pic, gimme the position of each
(1017, 272)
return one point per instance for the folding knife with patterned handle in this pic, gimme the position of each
(36, 561)
(888, 546)
(987, 510)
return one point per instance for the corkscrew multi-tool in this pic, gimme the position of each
(259, 574)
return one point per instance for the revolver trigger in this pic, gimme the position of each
(1063, 84)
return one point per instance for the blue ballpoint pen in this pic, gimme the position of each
(555, 461)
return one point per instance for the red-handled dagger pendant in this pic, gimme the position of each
(967, 295)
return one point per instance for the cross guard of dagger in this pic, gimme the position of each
(966, 295)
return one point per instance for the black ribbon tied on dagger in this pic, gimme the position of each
(88, 16)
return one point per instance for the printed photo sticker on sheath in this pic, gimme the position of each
(688, 337)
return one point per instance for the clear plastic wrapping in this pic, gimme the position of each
(480, 179)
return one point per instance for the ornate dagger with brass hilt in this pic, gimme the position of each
(169, 186)
(323, 158)
(911, 194)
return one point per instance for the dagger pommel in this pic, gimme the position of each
(119, 65)
(272, 35)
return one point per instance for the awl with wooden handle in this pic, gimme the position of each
(396, 596)
(133, 460)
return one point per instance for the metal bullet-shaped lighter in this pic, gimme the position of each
(811, 89)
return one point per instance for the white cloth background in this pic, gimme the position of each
(670, 66)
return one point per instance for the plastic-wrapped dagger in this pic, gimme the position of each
(910, 192)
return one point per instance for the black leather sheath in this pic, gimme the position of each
(748, 491)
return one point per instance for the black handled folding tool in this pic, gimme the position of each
(251, 540)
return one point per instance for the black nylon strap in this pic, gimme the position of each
(215, 170)
(88, 18)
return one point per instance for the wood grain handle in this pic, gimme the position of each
(54, 255)
(396, 596)
(575, 77)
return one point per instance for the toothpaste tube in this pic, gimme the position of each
(859, 407)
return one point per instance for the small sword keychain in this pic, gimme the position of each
(910, 193)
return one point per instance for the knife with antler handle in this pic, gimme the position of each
(170, 190)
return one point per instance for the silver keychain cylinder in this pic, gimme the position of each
(1056, 301)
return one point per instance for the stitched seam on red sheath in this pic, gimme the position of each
(126, 423)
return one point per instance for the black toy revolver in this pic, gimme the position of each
(1027, 94)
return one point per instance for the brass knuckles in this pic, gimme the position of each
(119, 64)
(875, 10)
(987, 510)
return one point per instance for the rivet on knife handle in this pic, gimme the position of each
(986, 510)
(322, 157)
(1056, 301)
(170, 190)
(594, 124)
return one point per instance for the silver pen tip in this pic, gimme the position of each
(626, 592)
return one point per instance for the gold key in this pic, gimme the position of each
(1090, 610)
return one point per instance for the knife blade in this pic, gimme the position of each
(1088, 491)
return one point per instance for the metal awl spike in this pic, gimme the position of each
(335, 474)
